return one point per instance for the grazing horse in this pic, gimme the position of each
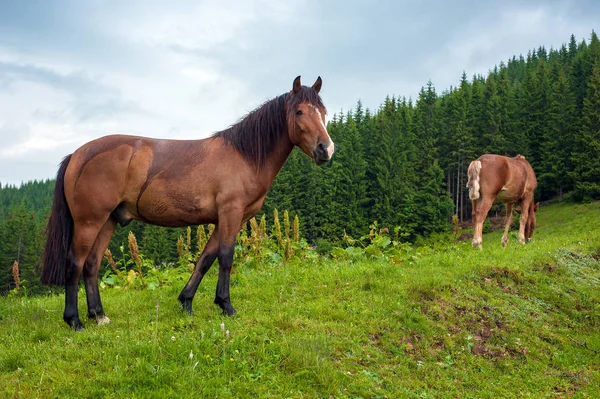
(222, 179)
(510, 180)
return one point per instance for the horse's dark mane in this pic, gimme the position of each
(256, 135)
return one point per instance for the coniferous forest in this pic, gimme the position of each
(402, 165)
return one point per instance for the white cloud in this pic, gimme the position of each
(198, 26)
(43, 136)
(491, 38)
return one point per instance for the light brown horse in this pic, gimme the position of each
(510, 180)
(222, 180)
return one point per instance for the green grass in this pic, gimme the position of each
(521, 321)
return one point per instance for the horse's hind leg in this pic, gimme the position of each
(480, 211)
(90, 272)
(71, 314)
(474, 205)
(204, 263)
(84, 236)
(509, 220)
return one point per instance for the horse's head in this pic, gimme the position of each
(306, 121)
(531, 221)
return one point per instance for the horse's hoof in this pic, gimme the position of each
(186, 306)
(101, 321)
(228, 310)
(76, 325)
(476, 243)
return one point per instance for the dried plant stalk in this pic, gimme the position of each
(109, 258)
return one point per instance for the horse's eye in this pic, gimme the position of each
(298, 112)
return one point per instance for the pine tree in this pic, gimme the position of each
(582, 68)
(492, 139)
(475, 113)
(572, 47)
(433, 203)
(156, 245)
(349, 169)
(383, 187)
(517, 141)
(535, 108)
(462, 150)
(557, 143)
(585, 156)
(21, 242)
(426, 128)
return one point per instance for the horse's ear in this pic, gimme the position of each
(297, 85)
(536, 207)
(317, 85)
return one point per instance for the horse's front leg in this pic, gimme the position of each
(222, 295)
(480, 212)
(229, 227)
(205, 261)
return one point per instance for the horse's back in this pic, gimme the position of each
(508, 179)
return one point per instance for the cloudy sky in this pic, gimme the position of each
(71, 71)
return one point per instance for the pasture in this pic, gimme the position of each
(447, 321)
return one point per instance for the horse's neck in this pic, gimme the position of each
(276, 160)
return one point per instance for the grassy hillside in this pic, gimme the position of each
(447, 322)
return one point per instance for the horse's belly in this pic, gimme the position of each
(506, 196)
(175, 209)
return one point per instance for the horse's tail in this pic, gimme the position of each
(59, 233)
(473, 181)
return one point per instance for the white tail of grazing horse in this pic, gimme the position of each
(473, 181)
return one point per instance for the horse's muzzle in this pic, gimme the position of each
(323, 153)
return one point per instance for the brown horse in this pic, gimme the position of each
(221, 180)
(510, 180)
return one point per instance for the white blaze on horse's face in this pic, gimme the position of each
(313, 137)
(331, 146)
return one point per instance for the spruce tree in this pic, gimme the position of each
(492, 140)
(383, 187)
(557, 144)
(585, 158)
(348, 169)
(426, 128)
(462, 150)
(157, 246)
(433, 203)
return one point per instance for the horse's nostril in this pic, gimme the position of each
(321, 147)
